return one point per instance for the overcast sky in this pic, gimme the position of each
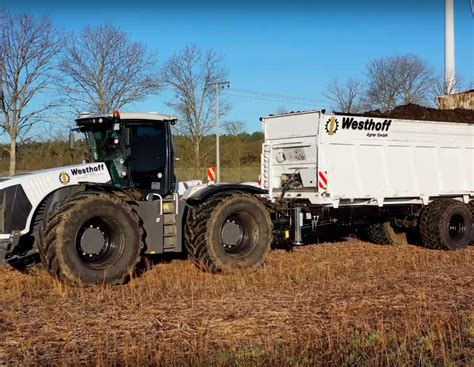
(292, 48)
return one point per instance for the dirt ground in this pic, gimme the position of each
(348, 303)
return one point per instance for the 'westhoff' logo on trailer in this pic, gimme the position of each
(380, 128)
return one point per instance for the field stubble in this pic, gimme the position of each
(347, 303)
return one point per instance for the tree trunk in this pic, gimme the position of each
(12, 152)
(197, 160)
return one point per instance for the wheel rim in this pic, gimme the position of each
(238, 234)
(98, 243)
(456, 227)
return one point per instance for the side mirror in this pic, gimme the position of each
(71, 140)
(126, 137)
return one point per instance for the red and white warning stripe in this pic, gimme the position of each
(323, 180)
(211, 174)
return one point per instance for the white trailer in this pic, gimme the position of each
(386, 170)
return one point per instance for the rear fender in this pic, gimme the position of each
(201, 194)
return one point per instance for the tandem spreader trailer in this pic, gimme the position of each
(390, 175)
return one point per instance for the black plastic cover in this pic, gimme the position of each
(14, 209)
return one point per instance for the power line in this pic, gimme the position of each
(272, 99)
(274, 95)
(249, 94)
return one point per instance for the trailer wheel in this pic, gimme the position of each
(446, 225)
(91, 238)
(229, 233)
(386, 234)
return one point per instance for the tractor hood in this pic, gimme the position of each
(20, 195)
(61, 176)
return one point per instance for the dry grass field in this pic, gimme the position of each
(331, 304)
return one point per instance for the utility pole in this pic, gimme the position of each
(219, 86)
(449, 63)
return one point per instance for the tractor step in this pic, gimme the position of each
(169, 244)
(170, 231)
(169, 207)
(169, 219)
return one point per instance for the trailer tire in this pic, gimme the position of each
(91, 238)
(446, 225)
(385, 234)
(229, 232)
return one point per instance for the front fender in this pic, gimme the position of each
(37, 186)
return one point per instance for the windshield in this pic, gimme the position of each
(105, 146)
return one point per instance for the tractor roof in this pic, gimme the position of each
(86, 117)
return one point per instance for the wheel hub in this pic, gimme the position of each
(99, 242)
(456, 227)
(92, 241)
(231, 233)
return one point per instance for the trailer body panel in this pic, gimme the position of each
(358, 160)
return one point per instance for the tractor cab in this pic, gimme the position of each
(136, 148)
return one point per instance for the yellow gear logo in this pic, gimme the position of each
(332, 125)
(64, 178)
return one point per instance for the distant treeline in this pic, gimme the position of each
(240, 151)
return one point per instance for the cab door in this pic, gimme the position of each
(150, 159)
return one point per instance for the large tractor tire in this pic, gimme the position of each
(385, 234)
(446, 225)
(91, 238)
(229, 232)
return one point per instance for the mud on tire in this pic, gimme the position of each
(91, 238)
(446, 224)
(470, 205)
(229, 232)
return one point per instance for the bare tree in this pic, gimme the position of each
(192, 74)
(441, 87)
(235, 131)
(398, 80)
(104, 70)
(281, 110)
(347, 97)
(28, 50)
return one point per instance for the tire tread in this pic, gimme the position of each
(196, 230)
(51, 230)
